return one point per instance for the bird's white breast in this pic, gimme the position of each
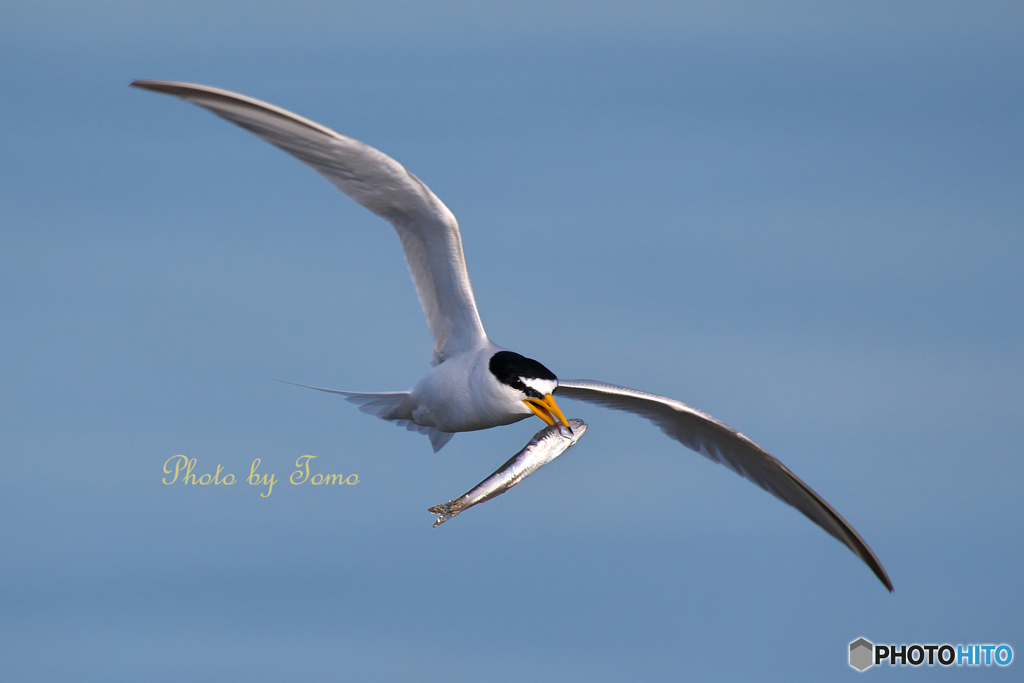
(461, 395)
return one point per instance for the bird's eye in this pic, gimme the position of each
(532, 393)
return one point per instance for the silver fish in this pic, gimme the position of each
(545, 446)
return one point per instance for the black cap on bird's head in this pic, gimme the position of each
(532, 379)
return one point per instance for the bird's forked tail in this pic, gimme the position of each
(387, 405)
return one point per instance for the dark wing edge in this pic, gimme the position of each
(722, 444)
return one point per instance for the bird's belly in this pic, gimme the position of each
(455, 399)
(454, 414)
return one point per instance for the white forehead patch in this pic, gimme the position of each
(543, 386)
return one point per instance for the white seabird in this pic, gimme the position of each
(474, 383)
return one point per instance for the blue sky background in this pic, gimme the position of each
(802, 219)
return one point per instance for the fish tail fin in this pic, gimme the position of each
(445, 511)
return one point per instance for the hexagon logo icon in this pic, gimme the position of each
(861, 654)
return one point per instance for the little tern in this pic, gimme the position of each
(473, 383)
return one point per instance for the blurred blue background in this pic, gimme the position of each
(802, 219)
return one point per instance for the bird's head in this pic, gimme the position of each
(532, 380)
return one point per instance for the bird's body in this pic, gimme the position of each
(475, 384)
(461, 394)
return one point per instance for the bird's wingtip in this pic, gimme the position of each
(166, 87)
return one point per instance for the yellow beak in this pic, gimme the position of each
(546, 409)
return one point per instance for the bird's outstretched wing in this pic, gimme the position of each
(723, 444)
(427, 229)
